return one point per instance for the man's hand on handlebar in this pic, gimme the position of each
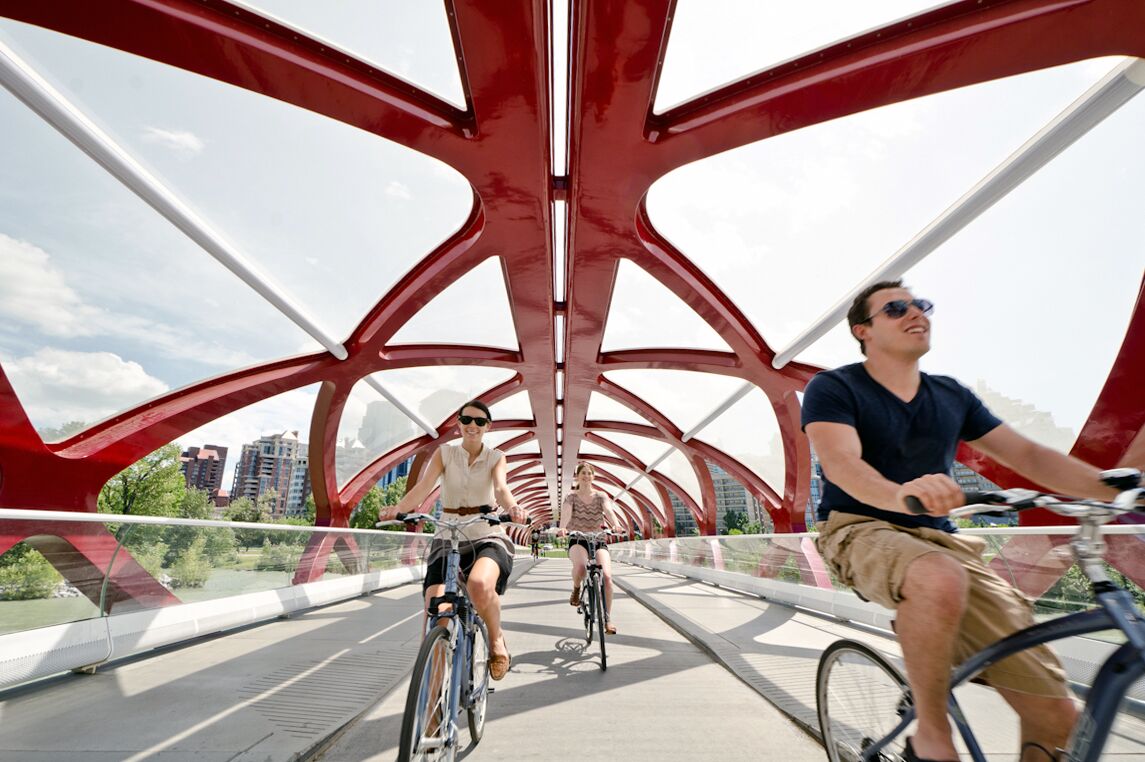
(932, 494)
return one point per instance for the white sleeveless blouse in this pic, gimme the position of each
(468, 486)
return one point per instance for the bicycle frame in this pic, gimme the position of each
(1119, 671)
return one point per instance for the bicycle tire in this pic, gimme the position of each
(478, 682)
(860, 697)
(427, 700)
(589, 604)
(600, 622)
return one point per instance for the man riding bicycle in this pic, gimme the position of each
(535, 542)
(884, 432)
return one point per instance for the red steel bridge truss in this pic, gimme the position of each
(501, 142)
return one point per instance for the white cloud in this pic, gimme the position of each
(58, 385)
(398, 190)
(35, 293)
(182, 143)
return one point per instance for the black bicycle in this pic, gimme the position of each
(451, 671)
(592, 602)
(864, 702)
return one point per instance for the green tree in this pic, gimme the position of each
(152, 486)
(734, 519)
(245, 509)
(218, 544)
(366, 513)
(191, 568)
(26, 575)
(49, 434)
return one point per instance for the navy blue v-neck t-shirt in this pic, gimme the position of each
(901, 440)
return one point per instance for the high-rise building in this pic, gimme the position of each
(275, 462)
(203, 468)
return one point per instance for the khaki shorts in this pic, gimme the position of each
(872, 556)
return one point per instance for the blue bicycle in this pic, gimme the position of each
(864, 702)
(451, 671)
(592, 600)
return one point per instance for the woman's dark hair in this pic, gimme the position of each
(582, 466)
(477, 404)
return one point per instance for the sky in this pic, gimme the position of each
(104, 304)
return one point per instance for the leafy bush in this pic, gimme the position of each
(27, 578)
(192, 568)
(277, 557)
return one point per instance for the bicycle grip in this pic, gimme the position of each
(914, 505)
(400, 516)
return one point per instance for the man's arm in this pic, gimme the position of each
(841, 455)
(1050, 468)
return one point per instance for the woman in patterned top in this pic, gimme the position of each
(472, 477)
(586, 510)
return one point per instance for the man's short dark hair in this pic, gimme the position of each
(860, 311)
(477, 404)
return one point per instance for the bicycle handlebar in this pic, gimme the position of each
(411, 518)
(1128, 500)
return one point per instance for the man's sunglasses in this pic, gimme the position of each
(468, 419)
(899, 307)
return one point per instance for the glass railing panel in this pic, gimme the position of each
(33, 594)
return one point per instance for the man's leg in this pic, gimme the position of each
(1046, 721)
(934, 595)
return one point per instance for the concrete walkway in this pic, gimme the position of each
(696, 673)
(662, 698)
(775, 649)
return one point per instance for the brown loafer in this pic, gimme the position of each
(499, 665)
(574, 599)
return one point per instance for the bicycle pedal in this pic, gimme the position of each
(491, 689)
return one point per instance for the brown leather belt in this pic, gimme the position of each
(466, 511)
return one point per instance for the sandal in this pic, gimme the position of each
(499, 663)
(574, 599)
(610, 628)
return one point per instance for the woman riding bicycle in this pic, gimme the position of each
(472, 475)
(586, 510)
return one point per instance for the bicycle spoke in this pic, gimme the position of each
(861, 698)
(426, 723)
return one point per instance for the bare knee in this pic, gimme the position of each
(482, 589)
(937, 578)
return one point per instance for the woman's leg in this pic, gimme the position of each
(605, 561)
(579, 557)
(431, 592)
(482, 587)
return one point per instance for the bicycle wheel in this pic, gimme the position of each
(478, 682)
(427, 722)
(588, 603)
(860, 697)
(600, 621)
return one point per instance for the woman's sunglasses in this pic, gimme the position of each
(468, 419)
(899, 307)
